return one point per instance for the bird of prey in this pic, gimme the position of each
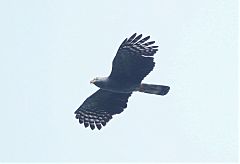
(133, 61)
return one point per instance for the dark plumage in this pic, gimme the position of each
(133, 61)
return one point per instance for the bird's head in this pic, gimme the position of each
(95, 80)
(99, 81)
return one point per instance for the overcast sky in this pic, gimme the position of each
(51, 49)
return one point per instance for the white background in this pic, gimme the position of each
(50, 50)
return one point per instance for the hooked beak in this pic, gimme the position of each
(92, 81)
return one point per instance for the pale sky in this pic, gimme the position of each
(51, 49)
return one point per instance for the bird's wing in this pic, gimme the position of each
(134, 59)
(98, 108)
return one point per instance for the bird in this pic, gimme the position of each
(132, 63)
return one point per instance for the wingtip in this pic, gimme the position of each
(92, 126)
(99, 126)
(134, 34)
(86, 124)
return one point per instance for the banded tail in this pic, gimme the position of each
(154, 89)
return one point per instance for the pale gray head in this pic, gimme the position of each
(99, 81)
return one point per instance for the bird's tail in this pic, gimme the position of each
(153, 89)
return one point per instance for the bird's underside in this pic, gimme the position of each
(133, 61)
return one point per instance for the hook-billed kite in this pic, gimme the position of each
(133, 61)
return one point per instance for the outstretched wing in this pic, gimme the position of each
(134, 60)
(98, 109)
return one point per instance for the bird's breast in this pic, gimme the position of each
(119, 86)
